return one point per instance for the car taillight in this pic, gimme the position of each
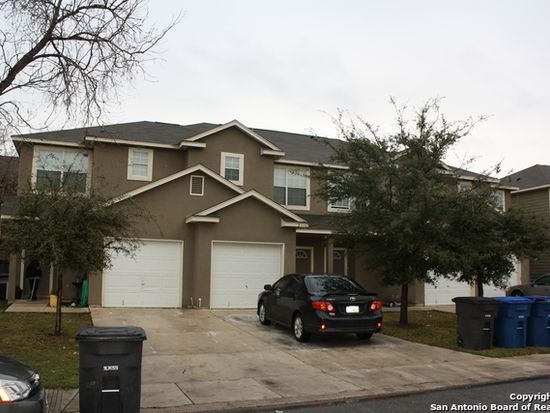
(323, 306)
(375, 305)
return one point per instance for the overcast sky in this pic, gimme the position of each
(286, 64)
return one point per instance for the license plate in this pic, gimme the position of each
(352, 309)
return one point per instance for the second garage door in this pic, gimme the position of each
(444, 290)
(151, 278)
(240, 271)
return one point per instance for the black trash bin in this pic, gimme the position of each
(476, 321)
(110, 369)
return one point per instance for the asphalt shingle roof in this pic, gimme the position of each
(319, 221)
(298, 147)
(536, 175)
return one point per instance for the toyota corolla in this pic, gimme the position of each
(320, 304)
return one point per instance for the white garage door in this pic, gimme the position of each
(240, 271)
(443, 291)
(152, 278)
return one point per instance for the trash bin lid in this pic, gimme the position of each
(538, 298)
(513, 300)
(474, 300)
(129, 333)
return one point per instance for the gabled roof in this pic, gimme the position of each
(296, 146)
(534, 177)
(234, 123)
(175, 176)
(246, 195)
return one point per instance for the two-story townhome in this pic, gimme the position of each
(233, 208)
(533, 196)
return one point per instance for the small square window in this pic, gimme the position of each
(140, 164)
(232, 167)
(196, 185)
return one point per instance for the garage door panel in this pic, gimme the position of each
(240, 270)
(444, 290)
(149, 278)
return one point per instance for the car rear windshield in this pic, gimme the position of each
(321, 285)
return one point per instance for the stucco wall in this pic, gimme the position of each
(235, 226)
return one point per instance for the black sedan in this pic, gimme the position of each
(20, 388)
(320, 303)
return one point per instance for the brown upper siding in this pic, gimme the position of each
(25, 167)
(535, 202)
(110, 167)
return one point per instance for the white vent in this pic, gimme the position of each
(197, 185)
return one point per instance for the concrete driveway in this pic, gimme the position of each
(203, 360)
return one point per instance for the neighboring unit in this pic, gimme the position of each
(233, 209)
(533, 196)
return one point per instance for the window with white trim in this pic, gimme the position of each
(464, 186)
(140, 164)
(291, 187)
(340, 205)
(232, 167)
(196, 185)
(301, 255)
(498, 199)
(61, 168)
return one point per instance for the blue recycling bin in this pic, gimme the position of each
(538, 326)
(511, 323)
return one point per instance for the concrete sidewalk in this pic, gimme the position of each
(41, 306)
(200, 360)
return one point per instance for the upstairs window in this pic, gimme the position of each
(61, 168)
(140, 164)
(464, 186)
(291, 187)
(232, 167)
(498, 199)
(340, 205)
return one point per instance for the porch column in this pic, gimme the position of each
(330, 255)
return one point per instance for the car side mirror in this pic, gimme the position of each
(268, 287)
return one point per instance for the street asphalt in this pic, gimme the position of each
(503, 397)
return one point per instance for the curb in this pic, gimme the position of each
(253, 406)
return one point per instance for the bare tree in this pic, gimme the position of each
(74, 53)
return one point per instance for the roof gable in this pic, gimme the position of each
(233, 124)
(246, 195)
(173, 177)
(529, 178)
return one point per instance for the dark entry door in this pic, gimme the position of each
(303, 260)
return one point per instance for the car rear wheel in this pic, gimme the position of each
(517, 293)
(262, 315)
(364, 336)
(299, 330)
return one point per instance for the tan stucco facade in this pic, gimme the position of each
(166, 208)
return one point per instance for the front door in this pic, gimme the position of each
(304, 260)
(340, 261)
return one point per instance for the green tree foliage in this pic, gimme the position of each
(70, 230)
(401, 196)
(485, 241)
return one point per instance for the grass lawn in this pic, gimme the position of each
(437, 328)
(28, 338)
